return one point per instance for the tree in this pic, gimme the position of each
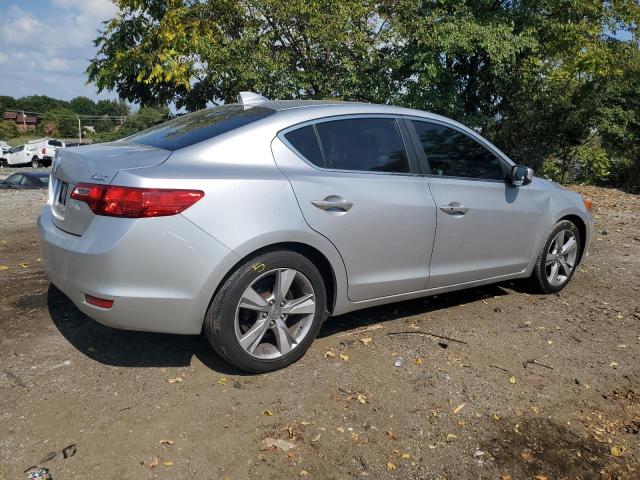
(39, 104)
(63, 121)
(83, 105)
(535, 76)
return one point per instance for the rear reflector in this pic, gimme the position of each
(130, 202)
(98, 302)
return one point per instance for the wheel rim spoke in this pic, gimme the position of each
(303, 305)
(559, 241)
(265, 308)
(553, 276)
(253, 301)
(252, 338)
(283, 337)
(284, 279)
(570, 246)
(551, 258)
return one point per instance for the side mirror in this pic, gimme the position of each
(521, 175)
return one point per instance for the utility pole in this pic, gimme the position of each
(79, 130)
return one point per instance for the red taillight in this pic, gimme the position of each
(130, 202)
(44, 150)
(98, 302)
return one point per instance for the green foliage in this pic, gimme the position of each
(8, 130)
(144, 118)
(63, 122)
(538, 77)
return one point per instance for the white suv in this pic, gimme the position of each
(19, 156)
(45, 150)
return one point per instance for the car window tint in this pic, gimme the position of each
(451, 153)
(196, 127)
(27, 182)
(14, 179)
(366, 144)
(306, 142)
(18, 149)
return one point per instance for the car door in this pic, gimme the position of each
(485, 226)
(357, 185)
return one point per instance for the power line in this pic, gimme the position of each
(74, 116)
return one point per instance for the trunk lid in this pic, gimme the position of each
(92, 164)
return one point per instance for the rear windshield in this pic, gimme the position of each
(196, 127)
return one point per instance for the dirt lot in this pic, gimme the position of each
(455, 409)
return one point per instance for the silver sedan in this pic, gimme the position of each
(257, 221)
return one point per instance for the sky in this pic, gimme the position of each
(46, 45)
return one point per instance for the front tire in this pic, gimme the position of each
(268, 312)
(558, 258)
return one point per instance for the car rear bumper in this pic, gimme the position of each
(160, 272)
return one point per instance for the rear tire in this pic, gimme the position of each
(558, 258)
(3, 163)
(258, 326)
(35, 162)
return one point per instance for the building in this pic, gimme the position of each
(25, 123)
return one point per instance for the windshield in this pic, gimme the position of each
(196, 127)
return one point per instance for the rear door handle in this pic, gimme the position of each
(332, 204)
(454, 208)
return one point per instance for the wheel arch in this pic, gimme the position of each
(313, 254)
(582, 229)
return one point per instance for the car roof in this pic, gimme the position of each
(36, 174)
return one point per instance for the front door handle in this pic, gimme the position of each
(454, 208)
(332, 204)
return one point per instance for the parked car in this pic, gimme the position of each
(45, 149)
(26, 180)
(19, 156)
(257, 221)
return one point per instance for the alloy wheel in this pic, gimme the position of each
(275, 313)
(561, 257)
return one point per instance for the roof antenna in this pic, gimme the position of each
(251, 98)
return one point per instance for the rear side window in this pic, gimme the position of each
(306, 142)
(55, 143)
(451, 153)
(199, 126)
(361, 144)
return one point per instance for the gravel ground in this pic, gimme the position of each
(457, 409)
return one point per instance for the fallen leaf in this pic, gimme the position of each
(167, 442)
(154, 463)
(268, 413)
(3, 268)
(329, 354)
(278, 443)
(222, 381)
(541, 477)
(340, 429)
(344, 357)
(458, 408)
(24, 265)
(505, 477)
(366, 341)
(303, 473)
(451, 437)
(175, 380)
(362, 399)
(418, 361)
(495, 417)
(526, 456)
(405, 456)
(614, 364)
(512, 380)
(168, 464)
(316, 438)
(392, 435)
(617, 451)
(391, 466)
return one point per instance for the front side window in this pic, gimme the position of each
(14, 180)
(18, 149)
(361, 144)
(451, 153)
